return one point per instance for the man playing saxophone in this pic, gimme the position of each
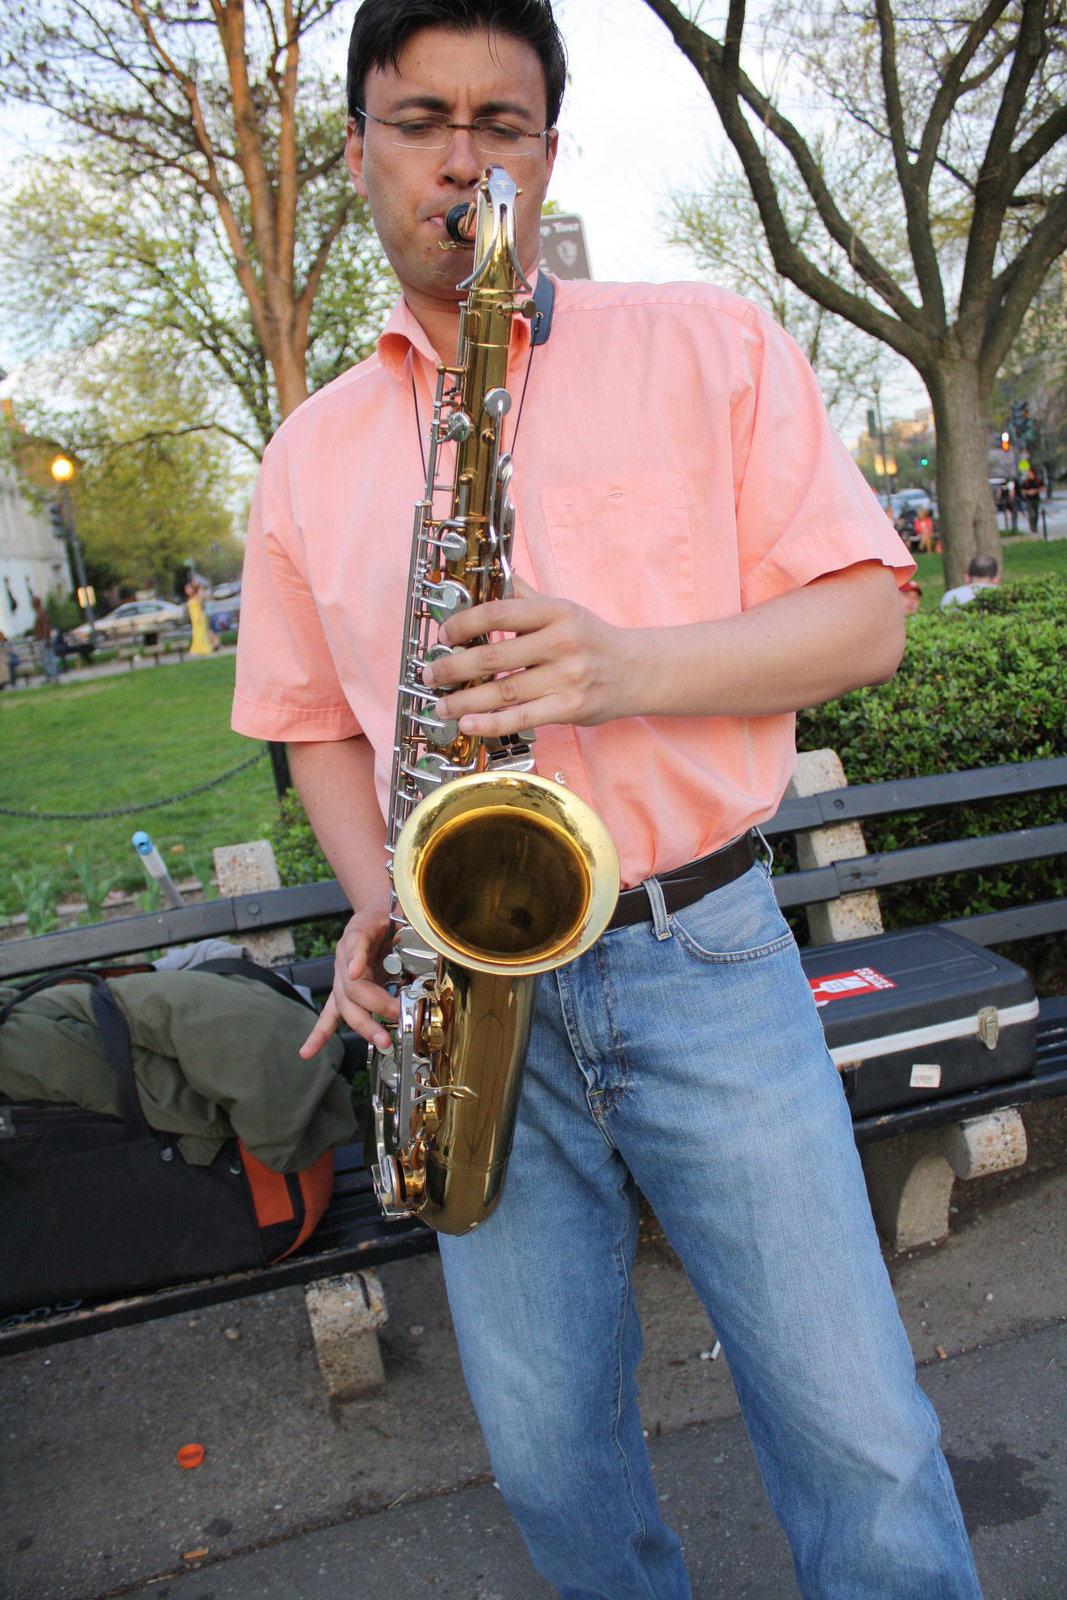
(695, 559)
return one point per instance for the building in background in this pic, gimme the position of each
(32, 559)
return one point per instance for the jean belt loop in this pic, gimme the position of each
(660, 925)
(769, 863)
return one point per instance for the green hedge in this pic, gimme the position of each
(299, 861)
(980, 685)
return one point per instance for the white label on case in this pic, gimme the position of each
(926, 1075)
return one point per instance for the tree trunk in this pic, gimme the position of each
(289, 364)
(966, 515)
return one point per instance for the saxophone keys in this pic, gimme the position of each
(443, 600)
(497, 403)
(438, 731)
(410, 955)
(458, 428)
(452, 542)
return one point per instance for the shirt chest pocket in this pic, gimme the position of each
(623, 546)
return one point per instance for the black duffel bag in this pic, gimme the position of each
(93, 1205)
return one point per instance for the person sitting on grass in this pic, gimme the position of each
(983, 572)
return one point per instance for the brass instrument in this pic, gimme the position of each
(498, 875)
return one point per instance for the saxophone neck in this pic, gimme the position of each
(491, 227)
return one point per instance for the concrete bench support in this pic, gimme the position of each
(251, 869)
(910, 1179)
(854, 916)
(345, 1314)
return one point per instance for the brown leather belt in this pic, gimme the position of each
(686, 884)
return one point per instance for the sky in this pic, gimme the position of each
(636, 124)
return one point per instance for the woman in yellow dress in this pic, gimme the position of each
(204, 641)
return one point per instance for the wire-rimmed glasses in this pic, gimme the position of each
(490, 136)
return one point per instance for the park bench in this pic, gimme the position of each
(912, 1156)
(152, 645)
(27, 661)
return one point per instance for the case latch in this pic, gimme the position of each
(989, 1027)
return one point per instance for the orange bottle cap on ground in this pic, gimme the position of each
(190, 1455)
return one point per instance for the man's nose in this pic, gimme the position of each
(461, 162)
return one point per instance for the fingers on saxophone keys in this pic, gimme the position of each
(324, 1029)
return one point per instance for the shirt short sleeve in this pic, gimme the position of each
(287, 685)
(803, 506)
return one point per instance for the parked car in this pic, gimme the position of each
(223, 610)
(910, 500)
(132, 617)
(226, 591)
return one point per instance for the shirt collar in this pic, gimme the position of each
(403, 335)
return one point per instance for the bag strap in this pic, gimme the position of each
(114, 1032)
(240, 967)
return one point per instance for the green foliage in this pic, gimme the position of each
(980, 685)
(201, 865)
(64, 610)
(300, 860)
(152, 481)
(296, 850)
(95, 248)
(37, 893)
(93, 886)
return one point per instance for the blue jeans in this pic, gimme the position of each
(684, 1057)
(47, 658)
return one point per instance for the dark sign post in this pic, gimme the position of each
(563, 251)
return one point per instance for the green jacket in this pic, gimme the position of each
(213, 1056)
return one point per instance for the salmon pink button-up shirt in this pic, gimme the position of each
(673, 464)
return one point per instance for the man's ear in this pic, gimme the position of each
(354, 157)
(551, 149)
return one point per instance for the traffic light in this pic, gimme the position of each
(1020, 418)
(1005, 441)
(58, 520)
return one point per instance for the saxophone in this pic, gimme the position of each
(497, 874)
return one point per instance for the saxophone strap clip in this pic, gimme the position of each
(544, 298)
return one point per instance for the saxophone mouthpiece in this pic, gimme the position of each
(459, 223)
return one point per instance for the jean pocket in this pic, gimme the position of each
(739, 922)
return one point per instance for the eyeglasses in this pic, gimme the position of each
(434, 132)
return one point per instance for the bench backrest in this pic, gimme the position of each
(317, 902)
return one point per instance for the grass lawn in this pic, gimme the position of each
(1023, 558)
(126, 740)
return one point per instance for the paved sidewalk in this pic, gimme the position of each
(1004, 1414)
(296, 1500)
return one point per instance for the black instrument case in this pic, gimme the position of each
(919, 1015)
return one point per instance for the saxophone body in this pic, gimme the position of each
(497, 874)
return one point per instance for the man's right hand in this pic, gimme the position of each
(357, 997)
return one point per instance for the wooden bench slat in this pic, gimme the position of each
(917, 794)
(1020, 922)
(208, 919)
(860, 873)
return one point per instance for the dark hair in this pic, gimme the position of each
(983, 566)
(383, 27)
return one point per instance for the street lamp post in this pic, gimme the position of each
(62, 473)
(881, 438)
